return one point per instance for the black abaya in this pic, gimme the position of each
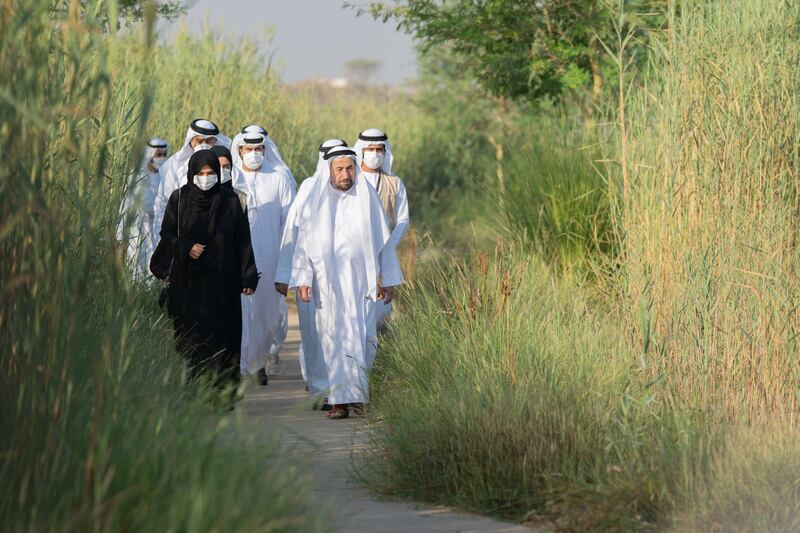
(205, 293)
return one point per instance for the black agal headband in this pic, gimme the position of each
(376, 138)
(324, 149)
(255, 128)
(206, 127)
(333, 154)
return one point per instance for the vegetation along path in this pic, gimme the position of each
(284, 404)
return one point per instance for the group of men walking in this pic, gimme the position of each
(220, 215)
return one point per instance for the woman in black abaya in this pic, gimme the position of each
(206, 255)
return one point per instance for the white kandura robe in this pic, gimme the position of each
(342, 289)
(268, 201)
(282, 328)
(136, 222)
(312, 364)
(380, 312)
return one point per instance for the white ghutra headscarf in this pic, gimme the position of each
(272, 156)
(374, 136)
(173, 171)
(289, 238)
(316, 219)
(153, 145)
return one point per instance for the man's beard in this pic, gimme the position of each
(344, 185)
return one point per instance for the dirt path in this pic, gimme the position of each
(331, 444)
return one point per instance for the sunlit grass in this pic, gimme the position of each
(507, 387)
(99, 430)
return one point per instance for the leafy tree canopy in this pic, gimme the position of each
(522, 49)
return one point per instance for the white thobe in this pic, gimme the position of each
(136, 216)
(270, 195)
(341, 297)
(173, 177)
(380, 312)
(312, 364)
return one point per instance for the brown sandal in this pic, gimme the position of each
(358, 409)
(338, 412)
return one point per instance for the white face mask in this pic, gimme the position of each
(202, 146)
(204, 183)
(253, 159)
(226, 175)
(373, 160)
(158, 161)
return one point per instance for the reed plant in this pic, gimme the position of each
(505, 387)
(708, 212)
(516, 399)
(98, 429)
(554, 194)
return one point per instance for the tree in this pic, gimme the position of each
(521, 49)
(134, 9)
(129, 11)
(362, 70)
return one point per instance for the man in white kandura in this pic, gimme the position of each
(343, 247)
(312, 364)
(135, 226)
(282, 328)
(201, 135)
(270, 188)
(375, 159)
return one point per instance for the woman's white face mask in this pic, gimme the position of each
(374, 160)
(226, 174)
(253, 159)
(204, 183)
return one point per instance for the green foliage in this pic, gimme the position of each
(665, 393)
(517, 399)
(99, 431)
(520, 49)
(554, 195)
(134, 10)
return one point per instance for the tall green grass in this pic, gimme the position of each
(98, 430)
(502, 390)
(553, 193)
(708, 212)
(507, 388)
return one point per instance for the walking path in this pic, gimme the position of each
(284, 403)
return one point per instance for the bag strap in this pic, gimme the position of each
(172, 262)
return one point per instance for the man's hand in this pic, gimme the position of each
(197, 250)
(248, 292)
(305, 293)
(388, 294)
(282, 288)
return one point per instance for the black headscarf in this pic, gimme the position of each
(221, 151)
(200, 202)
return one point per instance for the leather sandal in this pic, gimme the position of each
(338, 412)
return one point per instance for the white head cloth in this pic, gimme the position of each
(374, 136)
(155, 143)
(316, 218)
(272, 157)
(308, 184)
(199, 127)
(323, 149)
